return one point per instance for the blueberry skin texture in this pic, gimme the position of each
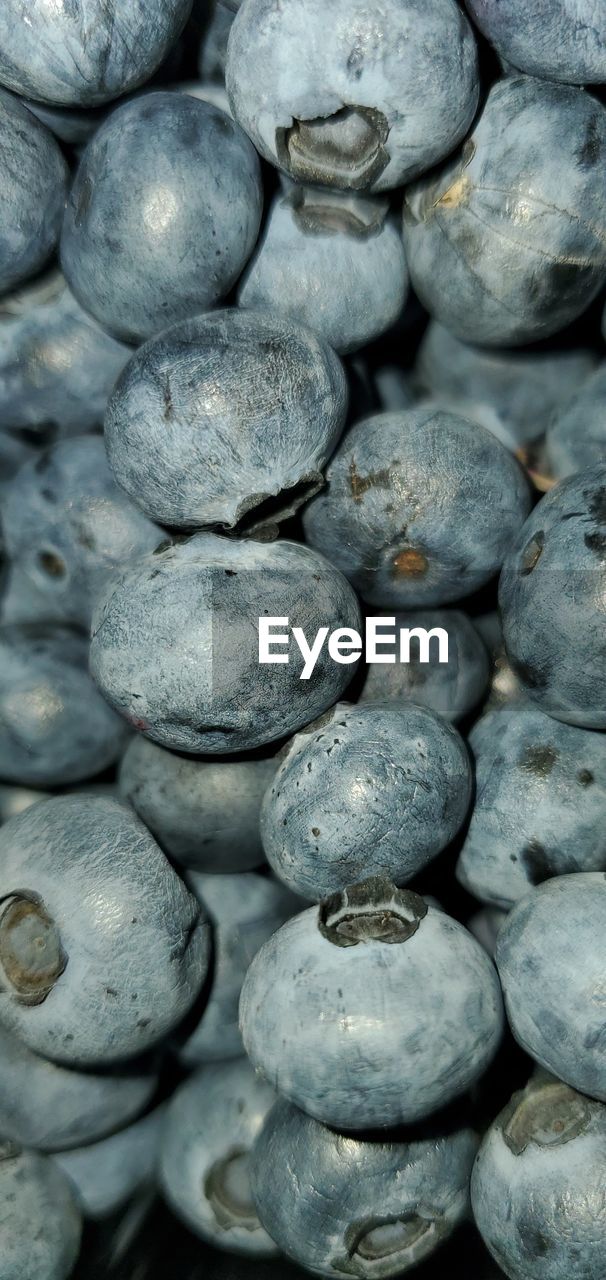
(127, 944)
(51, 1108)
(40, 1224)
(210, 1127)
(538, 1185)
(376, 1033)
(175, 643)
(244, 910)
(540, 803)
(452, 688)
(504, 245)
(576, 438)
(288, 71)
(204, 813)
(87, 52)
(163, 214)
(372, 790)
(553, 604)
(561, 40)
(357, 1206)
(221, 414)
(55, 728)
(68, 526)
(107, 1174)
(34, 191)
(420, 509)
(320, 263)
(551, 957)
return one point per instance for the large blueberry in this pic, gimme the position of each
(357, 1206)
(356, 102)
(576, 438)
(561, 40)
(540, 803)
(537, 1187)
(211, 1124)
(371, 1010)
(451, 688)
(163, 213)
(551, 957)
(552, 595)
(105, 1175)
(421, 508)
(54, 726)
(102, 948)
(505, 243)
(33, 191)
(40, 1223)
(227, 419)
(175, 643)
(372, 790)
(85, 51)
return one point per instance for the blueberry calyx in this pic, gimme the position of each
(373, 911)
(548, 1116)
(410, 563)
(375, 1245)
(227, 1189)
(322, 212)
(344, 150)
(31, 955)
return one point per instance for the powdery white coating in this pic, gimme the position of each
(33, 193)
(450, 688)
(347, 284)
(507, 243)
(48, 1107)
(55, 728)
(374, 1034)
(162, 215)
(85, 51)
(211, 1124)
(551, 957)
(553, 601)
(372, 790)
(540, 803)
(244, 910)
(420, 509)
(327, 1199)
(175, 644)
(541, 1210)
(221, 414)
(576, 438)
(204, 813)
(407, 70)
(40, 1225)
(558, 39)
(135, 941)
(107, 1174)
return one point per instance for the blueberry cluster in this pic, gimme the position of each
(300, 326)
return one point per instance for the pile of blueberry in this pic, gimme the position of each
(301, 325)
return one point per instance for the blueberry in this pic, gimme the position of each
(551, 957)
(576, 438)
(105, 1175)
(163, 213)
(216, 20)
(211, 1124)
(23, 600)
(357, 1206)
(175, 644)
(68, 526)
(450, 688)
(537, 1185)
(372, 1010)
(244, 911)
(394, 388)
(34, 189)
(505, 244)
(102, 948)
(54, 726)
(563, 40)
(40, 1224)
(372, 790)
(81, 54)
(204, 813)
(485, 925)
(14, 800)
(209, 91)
(49, 1107)
(540, 803)
(421, 508)
(356, 103)
(331, 261)
(227, 418)
(551, 595)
